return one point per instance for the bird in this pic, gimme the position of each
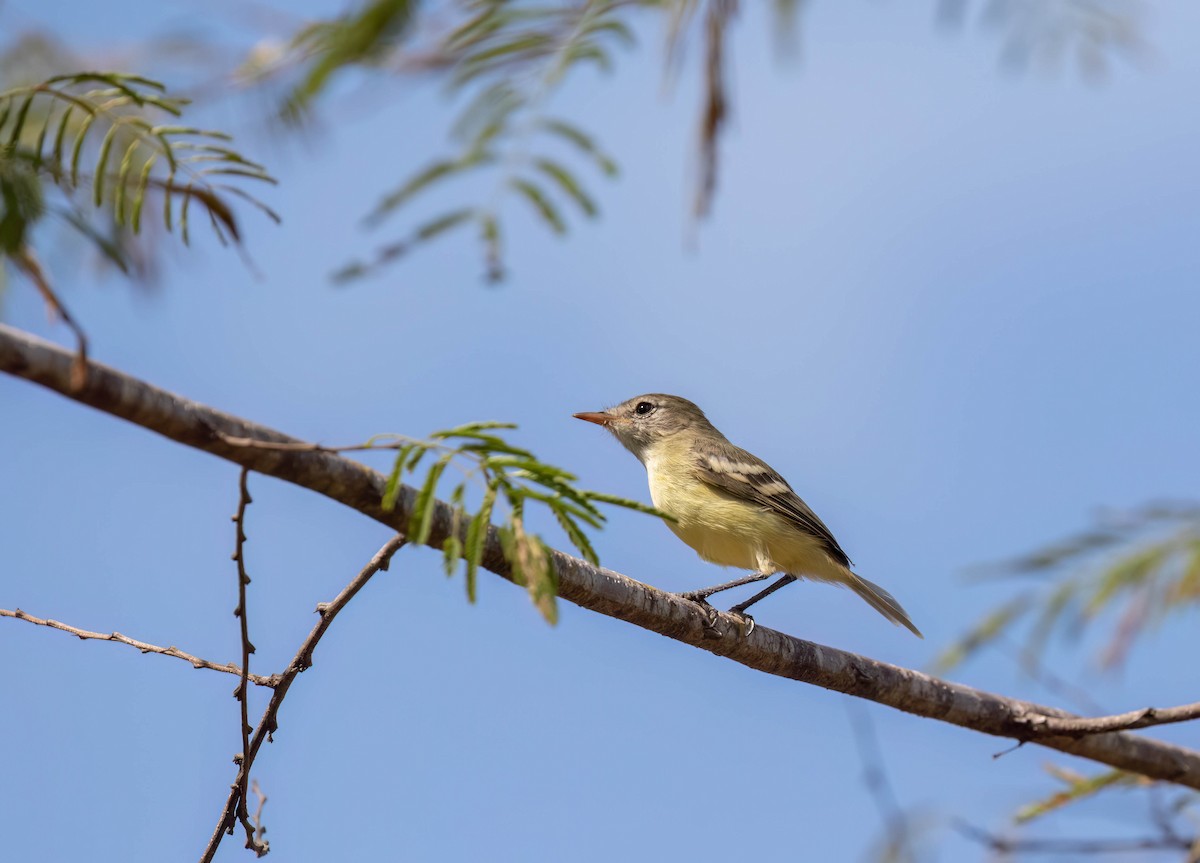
(730, 506)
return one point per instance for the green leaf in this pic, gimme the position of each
(451, 552)
(60, 136)
(577, 537)
(422, 180)
(123, 181)
(530, 44)
(14, 134)
(626, 503)
(442, 224)
(541, 204)
(1126, 573)
(140, 195)
(986, 631)
(583, 142)
(391, 491)
(476, 537)
(102, 164)
(1076, 790)
(77, 150)
(568, 184)
(421, 523)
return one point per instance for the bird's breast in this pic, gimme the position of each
(719, 528)
(729, 531)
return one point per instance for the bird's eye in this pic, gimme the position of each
(643, 408)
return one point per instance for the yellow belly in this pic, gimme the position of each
(731, 532)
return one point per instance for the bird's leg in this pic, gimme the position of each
(703, 595)
(740, 608)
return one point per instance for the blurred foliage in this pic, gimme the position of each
(359, 37)
(510, 476)
(1140, 567)
(504, 61)
(1077, 787)
(105, 142)
(1046, 34)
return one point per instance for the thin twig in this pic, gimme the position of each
(242, 692)
(302, 660)
(28, 263)
(1082, 726)
(1071, 846)
(260, 829)
(196, 661)
(875, 778)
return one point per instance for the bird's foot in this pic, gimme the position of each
(700, 597)
(745, 622)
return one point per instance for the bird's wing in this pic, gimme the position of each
(731, 469)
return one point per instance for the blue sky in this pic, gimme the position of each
(955, 305)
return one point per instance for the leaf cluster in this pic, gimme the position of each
(508, 476)
(505, 60)
(1077, 787)
(361, 36)
(1046, 34)
(1141, 566)
(113, 140)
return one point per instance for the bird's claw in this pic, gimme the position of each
(711, 615)
(746, 623)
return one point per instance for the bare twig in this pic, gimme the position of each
(875, 777)
(1003, 845)
(28, 263)
(302, 446)
(715, 113)
(260, 829)
(302, 660)
(592, 587)
(196, 661)
(241, 693)
(1080, 726)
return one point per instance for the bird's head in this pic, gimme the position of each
(644, 421)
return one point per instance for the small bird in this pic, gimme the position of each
(731, 506)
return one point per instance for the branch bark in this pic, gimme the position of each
(594, 588)
(269, 723)
(84, 634)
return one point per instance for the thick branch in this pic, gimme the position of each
(594, 588)
(196, 661)
(268, 725)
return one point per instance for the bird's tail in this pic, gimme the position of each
(883, 602)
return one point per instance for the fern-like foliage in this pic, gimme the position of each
(505, 60)
(113, 141)
(507, 478)
(1140, 567)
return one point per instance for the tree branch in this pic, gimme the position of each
(196, 661)
(594, 588)
(1144, 718)
(268, 725)
(241, 693)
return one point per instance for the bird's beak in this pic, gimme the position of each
(598, 417)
